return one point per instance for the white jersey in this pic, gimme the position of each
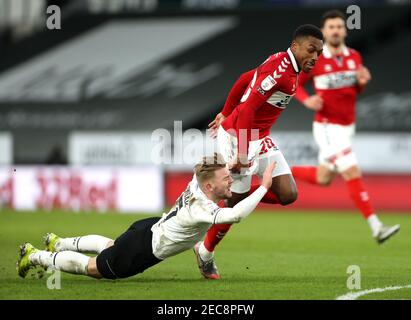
(191, 217)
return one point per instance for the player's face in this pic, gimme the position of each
(307, 51)
(334, 32)
(221, 184)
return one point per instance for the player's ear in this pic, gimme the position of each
(208, 186)
(345, 31)
(294, 45)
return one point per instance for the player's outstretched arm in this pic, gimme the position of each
(243, 209)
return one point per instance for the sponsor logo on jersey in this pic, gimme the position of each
(336, 80)
(351, 64)
(268, 83)
(279, 99)
(261, 91)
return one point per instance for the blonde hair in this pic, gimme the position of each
(205, 170)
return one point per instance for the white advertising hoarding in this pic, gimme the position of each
(101, 148)
(6, 148)
(139, 189)
(376, 152)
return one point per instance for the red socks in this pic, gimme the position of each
(306, 173)
(214, 235)
(360, 196)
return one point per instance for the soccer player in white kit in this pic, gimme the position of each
(149, 241)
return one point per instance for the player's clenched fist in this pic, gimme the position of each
(363, 76)
(268, 175)
(315, 102)
(240, 163)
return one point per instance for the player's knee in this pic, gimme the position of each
(288, 197)
(325, 176)
(324, 181)
(352, 172)
(109, 244)
(92, 270)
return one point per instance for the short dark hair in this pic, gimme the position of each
(332, 14)
(307, 30)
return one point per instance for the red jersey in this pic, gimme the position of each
(259, 96)
(335, 80)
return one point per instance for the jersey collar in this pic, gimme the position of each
(293, 61)
(327, 53)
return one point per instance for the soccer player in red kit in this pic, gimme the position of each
(338, 77)
(243, 128)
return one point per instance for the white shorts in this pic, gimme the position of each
(335, 144)
(260, 153)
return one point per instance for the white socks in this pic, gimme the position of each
(68, 261)
(67, 258)
(205, 255)
(374, 223)
(90, 244)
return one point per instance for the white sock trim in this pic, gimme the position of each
(67, 261)
(374, 222)
(88, 244)
(205, 255)
(71, 262)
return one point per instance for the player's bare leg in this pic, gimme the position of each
(285, 189)
(361, 199)
(92, 270)
(325, 176)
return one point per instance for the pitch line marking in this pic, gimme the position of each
(356, 295)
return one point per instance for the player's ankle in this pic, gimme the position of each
(204, 253)
(374, 222)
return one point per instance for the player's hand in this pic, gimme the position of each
(363, 76)
(240, 163)
(314, 102)
(215, 124)
(268, 175)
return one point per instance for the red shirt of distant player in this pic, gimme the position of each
(259, 96)
(335, 80)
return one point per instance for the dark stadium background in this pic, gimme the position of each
(78, 105)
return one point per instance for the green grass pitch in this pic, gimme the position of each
(286, 255)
